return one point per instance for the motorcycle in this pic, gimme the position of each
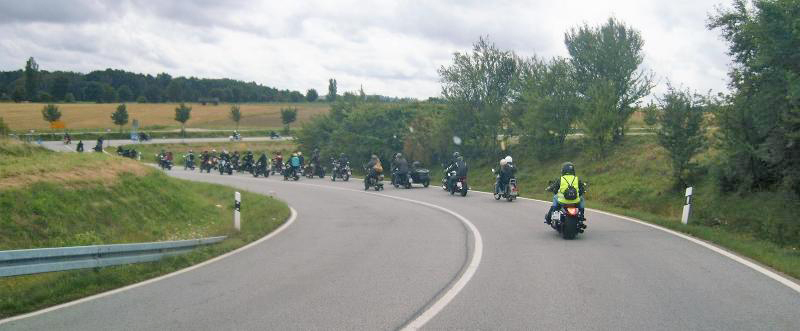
(188, 163)
(246, 165)
(399, 180)
(420, 176)
(308, 171)
(260, 169)
(164, 163)
(67, 140)
(373, 182)
(225, 167)
(207, 165)
(235, 137)
(567, 219)
(288, 172)
(460, 184)
(510, 192)
(277, 167)
(341, 171)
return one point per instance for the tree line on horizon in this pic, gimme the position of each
(111, 85)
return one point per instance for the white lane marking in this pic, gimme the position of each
(285, 225)
(764, 271)
(454, 288)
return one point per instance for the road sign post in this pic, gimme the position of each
(687, 208)
(237, 207)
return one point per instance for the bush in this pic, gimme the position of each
(69, 98)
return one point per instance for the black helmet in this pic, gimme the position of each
(456, 155)
(567, 169)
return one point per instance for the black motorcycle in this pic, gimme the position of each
(260, 169)
(375, 182)
(567, 219)
(164, 163)
(277, 167)
(509, 192)
(188, 163)
(460, 184)
(289, 172)
(207, 165)
(342, 171)
(225, 167)
(312, 170)
(401, 180)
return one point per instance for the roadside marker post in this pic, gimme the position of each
(237, 207)
(687, 208)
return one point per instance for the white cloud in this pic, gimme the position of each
(392, 48)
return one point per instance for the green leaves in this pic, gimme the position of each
(681, 131)
(51, 113)
(120, 116)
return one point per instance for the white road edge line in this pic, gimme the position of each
(292, 218)
(764, 271)
(455, 287)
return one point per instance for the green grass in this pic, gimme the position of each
(129, 208)
(635, 180)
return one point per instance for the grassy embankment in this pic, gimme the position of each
(77, 117)
(63, 199)
(635, 180)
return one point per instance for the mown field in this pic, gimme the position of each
(94, 116)
(53, 199)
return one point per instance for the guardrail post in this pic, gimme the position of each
(237, 206)
(687, 208)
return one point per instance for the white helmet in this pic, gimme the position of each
(508, 159)
(503, 162)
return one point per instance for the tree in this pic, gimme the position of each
(50, 113)
(311, 95)
(759, 129)
(182, 114)
(19, 94)
(597, 121)
(124, 93)
(120, 117)
(681, 130)
(109, 93)
(478, 86)
(331, 90)
(94, 92)
(611, 53)
(288, 116)
(69, 97)
(547, 106)
(31, 79)
(236, 115)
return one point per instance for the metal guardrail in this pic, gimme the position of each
(33, 261)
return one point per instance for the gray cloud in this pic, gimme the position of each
(391, 47)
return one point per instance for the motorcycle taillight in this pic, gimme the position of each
(572, 211)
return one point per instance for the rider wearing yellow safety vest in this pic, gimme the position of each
(568, 178)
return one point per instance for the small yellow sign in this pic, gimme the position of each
(57, 125)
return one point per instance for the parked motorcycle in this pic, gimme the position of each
(509, 192)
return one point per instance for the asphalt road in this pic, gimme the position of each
(356, 260)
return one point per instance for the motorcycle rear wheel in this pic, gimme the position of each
(569, 229)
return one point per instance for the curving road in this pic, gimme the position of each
(356, 260)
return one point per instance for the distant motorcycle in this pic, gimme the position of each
(188, 163)
(290, 172)
(459, 186)
(277, 167)
(509, 192)
(401, 180)
(207, 165)
(260, 169)
(375, 182)
(342, 171)
(164, 163)
(420, 176)
(235, 137)
(567, 219)
(225, 167)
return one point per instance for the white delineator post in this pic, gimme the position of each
(237, 207)
(687, 208)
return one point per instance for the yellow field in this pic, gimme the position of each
(25, 116)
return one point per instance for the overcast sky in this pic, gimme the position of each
(391, 47)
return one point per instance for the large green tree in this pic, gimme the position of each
(478, 85)
(547, 106)
(609, 54)
(760, 128)
(120, 116)
(50, 113)
(311, 95)
(288, 116)
(31, 79)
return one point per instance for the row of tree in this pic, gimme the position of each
(491, 96)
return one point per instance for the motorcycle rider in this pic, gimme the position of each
(262, 161)
(79, 148)
(295, 163)
(506, 172)
(459, 166)
(300, 156)
(559, 186)
(278, 161)
(235, 160)
(190, 157)
(343, 159)
(400, 168)
(374, 167)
